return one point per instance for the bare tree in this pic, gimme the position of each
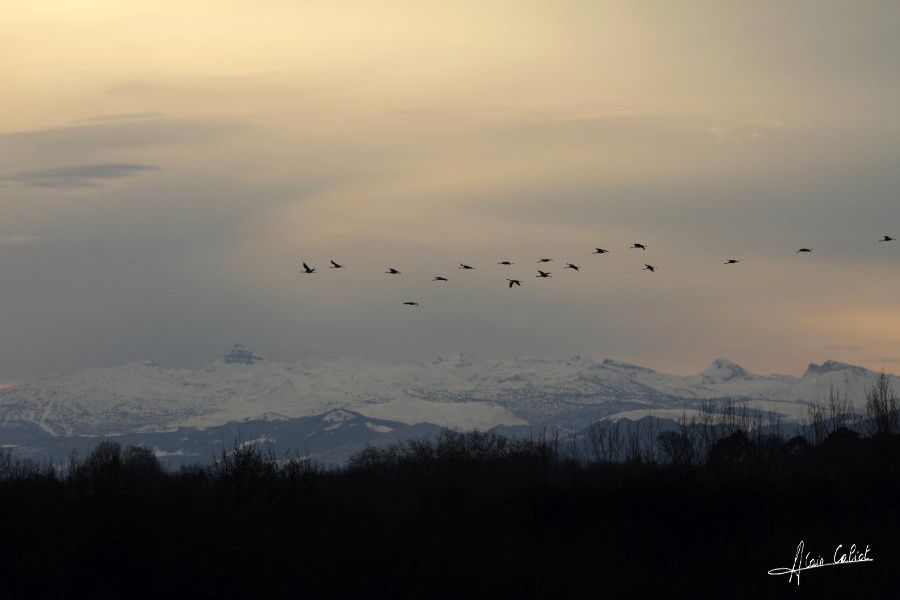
(840, 409)
(815, 424)
(882, 407)
(574, 451)
(707, 423)
(605, 440)
(596, 437)
(633, 451)
(681, 447)
(649, 430)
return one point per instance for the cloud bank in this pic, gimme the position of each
(76, 175)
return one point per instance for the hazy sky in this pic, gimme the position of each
(164, 167)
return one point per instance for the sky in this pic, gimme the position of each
(165, 166)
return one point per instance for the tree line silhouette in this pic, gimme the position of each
(701, 509)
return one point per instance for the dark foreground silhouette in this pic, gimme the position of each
(703, 511)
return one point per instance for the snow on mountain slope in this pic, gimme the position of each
(813, 385)
(455, 391)
(462, 415)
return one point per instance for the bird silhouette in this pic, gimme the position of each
(543, 274)
(513, 282)
(650, 268)
(573, 267)
(439, 278)
(803, 250)
(731, 261)
(639, 245)
(334, 265)
(393, 271)
(466, 267)
(887, 238)
(410, 303)
(308, 269)
(505, 263)
(600, 251)
(545, 260)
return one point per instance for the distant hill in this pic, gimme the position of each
(245, 394)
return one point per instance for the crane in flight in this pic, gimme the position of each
(410, 303)
(334, 265)
(308, 269)
(513, 282)
(573, 267)
(803, 250)
(545, 260)
(887, 238)
(465, 267)
(639, 246)
(650, 268)
(543, 274)
(732, 261)
(600, 251)
(439, 278)
(393, 271)
(505, 263)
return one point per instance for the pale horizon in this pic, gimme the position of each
(696, 370)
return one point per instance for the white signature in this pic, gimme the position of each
(804, 562)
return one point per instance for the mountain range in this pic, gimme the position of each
(329, 408)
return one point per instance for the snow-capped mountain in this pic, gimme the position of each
(453, 391)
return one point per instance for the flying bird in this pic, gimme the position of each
(639, 245)
(334, 265)
(393, 271)
(803, 250)
(410, 303)
(731, 261)
(439, 278)
(573, 267)
(545, 260)
(505, 263)
(887, 238)
(600, 251)
(650, 268)
(308, 269)
(513, 282)
(542, 274)
(466, 267)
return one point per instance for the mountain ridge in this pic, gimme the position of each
(450, 391)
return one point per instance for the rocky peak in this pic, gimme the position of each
(722, 370)
(241, 355)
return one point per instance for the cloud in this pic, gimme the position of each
(75, 175)
(116, 133)
(884, 359)
(759, 130)
(132, 116)
(18, 239)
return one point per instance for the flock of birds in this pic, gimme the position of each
(543, 261)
